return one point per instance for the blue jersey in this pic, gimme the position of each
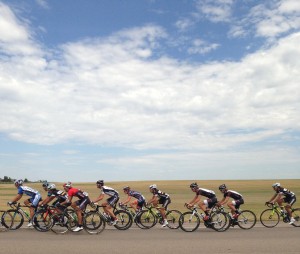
(28, 191)
(136, 195)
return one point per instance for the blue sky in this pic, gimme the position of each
(149, 89)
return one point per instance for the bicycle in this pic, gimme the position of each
(150, 216)
(93, 221)
(270, 217)
(246, 219)
(14, 218)
(135, 216)
(190, 220)
(124, 217)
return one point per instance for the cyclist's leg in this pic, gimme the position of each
(288, 206)
(75, 205)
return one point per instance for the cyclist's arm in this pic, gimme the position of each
(274, 198)
(47, 200)
(68, 200)
(195, 200)
(127, 200)
(223, 201)
(154, 198)
(17, 198)
(99, 198)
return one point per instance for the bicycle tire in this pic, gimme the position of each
(269, 218)
(124, 220)
(59, 223)
(137, 220)
(189, 222)
(147, 219)
(42, 221)
(219, 221)
(12, 219)
(246, 219)
(93, 222)
(5, 227)
(173, 217)
(296, 216)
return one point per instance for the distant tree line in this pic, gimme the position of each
(7, 179)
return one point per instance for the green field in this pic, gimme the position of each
(255, 192)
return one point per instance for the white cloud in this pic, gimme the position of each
(216, 10)
(270, 19)
(202, 47)
(115, 91)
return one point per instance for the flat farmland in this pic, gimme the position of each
(255, 192)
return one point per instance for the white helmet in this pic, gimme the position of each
(276, 185)
(153, 186)
(18, 182)
(51, 186)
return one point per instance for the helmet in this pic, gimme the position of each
(100, 182)
(18, 182)
(126, 188)
(51, 186)
(275, 185)
(45, 184)
(67, 185)
(193, 185)
(222, 187)
(153, 186)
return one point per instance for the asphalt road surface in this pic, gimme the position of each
(283, 239)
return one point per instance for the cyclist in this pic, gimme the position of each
(61, 196)
(284, 195)
(32, 202)
(206, 204)
(110, 202)
(78, 205)
(162, 198)
(236, 202)
(139, 201)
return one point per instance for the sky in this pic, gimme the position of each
(149, 89)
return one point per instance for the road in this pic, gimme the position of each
(282, 239)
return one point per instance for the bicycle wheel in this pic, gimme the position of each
(59, 223)
(124, 220)
(12, 219)
(173, 219)
(269, 218)
(189, 222)
(296, 216)
(93, 222)
(219, 221)
(5, 227)
(246, 219)
(147, 219)
(42, 221)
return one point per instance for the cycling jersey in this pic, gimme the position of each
(60, 195)
(206, 193)
(287, 193)
(136, 195)
(28, 191)
(161, 194)
(233, 194)
(73, 192)
(109, 191)
(34, 195)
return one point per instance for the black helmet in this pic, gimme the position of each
(222, 187)
(45, 184)
(193, 185)
(100, 182)
(126, 188)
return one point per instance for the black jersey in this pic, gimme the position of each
(233, 194)
(161, 194)
(287, 193)
(206, 193)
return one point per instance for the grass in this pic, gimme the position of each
(255, 192)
